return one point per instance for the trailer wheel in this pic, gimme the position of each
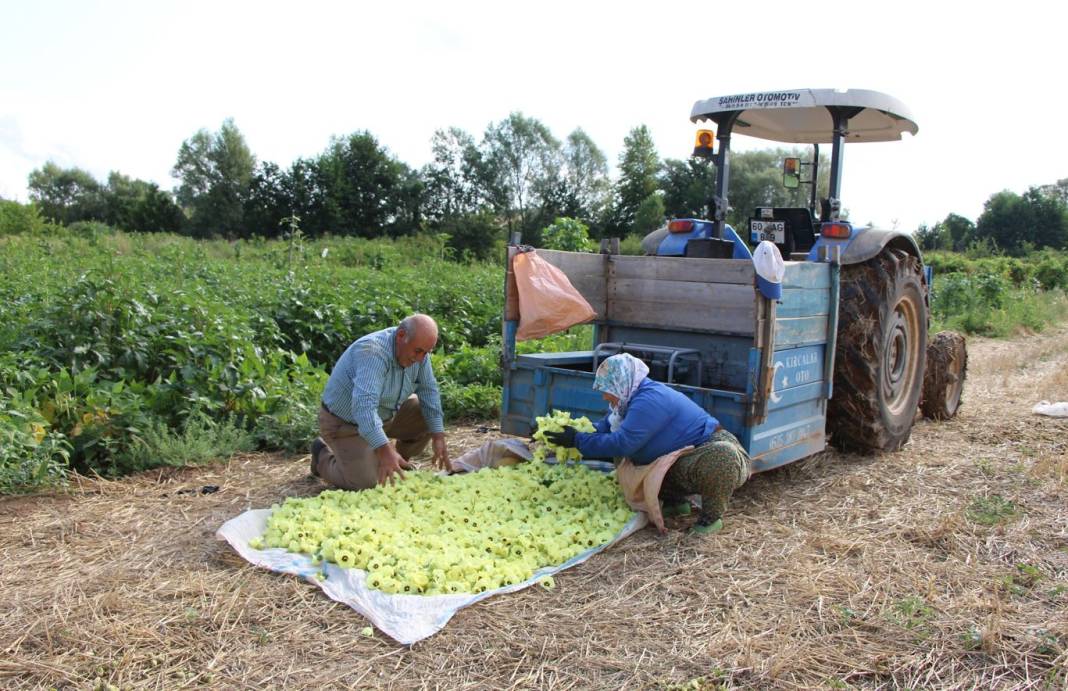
(943, 379)
(880, 354)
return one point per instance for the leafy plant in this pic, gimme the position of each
(468, 365)
(1052, 273)
(473, 401)
(20, 218)
(1025, 577)
(567, 234)
(31, 454)
(845, 614)
(972, 639)
(991, 510)
(987, 304)
(631, 245)
(200, 439)
(1049, 643)
(911, 612)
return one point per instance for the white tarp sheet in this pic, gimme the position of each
(404, 618)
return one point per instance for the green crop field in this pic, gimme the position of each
(120, 352)
(997, 296)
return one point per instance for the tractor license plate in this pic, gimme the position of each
(767, 230)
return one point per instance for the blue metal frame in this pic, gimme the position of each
(674, 244)
(793, 388)
(823, 245)
(863, 244)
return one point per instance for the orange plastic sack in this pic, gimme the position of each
(548, 303)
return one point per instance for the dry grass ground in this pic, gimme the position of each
(942, 566)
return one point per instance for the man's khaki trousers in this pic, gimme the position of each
(349, 462)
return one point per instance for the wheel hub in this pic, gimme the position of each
(956, 381)
(900, 357)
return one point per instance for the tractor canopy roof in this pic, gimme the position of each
(801, 115)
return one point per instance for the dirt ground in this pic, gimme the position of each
(944, 565)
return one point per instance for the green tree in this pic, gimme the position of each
(1003, 221)
(409, 199)
(66, 195)
(639, 166)
(1058, 190)
(361, 189)
(215, 173)
(929, 237)
(1048, 216)
(522, 169)
(475, 235)
(586, 186)
(138, 205)
(1016, 223)
(956, 232)
(756, 181)
(687, 185)
(268, 201)
(650, 214)
(452, 181)
(301, 185)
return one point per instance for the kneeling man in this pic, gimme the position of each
(382, 387)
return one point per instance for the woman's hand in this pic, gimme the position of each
(565, 437)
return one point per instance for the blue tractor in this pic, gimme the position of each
(842, 353)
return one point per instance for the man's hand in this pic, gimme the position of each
(441, 452)
(390, 464)
(565, 437)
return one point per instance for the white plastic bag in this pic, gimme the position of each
(1059, 409)
(493, 454)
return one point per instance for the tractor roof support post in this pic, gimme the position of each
(837, 150)
(840, 116)
(815, 178)
(717, 206)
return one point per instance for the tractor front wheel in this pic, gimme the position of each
(880, 354)
(943, 380)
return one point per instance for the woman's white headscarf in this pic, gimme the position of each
(620, 375)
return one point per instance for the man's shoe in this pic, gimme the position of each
(317, 446)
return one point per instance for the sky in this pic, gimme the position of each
(119, 86)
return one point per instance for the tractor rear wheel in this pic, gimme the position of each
(943, 379)
(880, 354)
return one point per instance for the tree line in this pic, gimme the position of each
(516, 177)
(1010, 222)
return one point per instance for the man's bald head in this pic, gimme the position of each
(416, 336)
(417, 324)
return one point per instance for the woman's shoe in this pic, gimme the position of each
(679, 509)
(706, 527)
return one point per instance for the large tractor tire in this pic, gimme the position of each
(943, 380)
(879, 358)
